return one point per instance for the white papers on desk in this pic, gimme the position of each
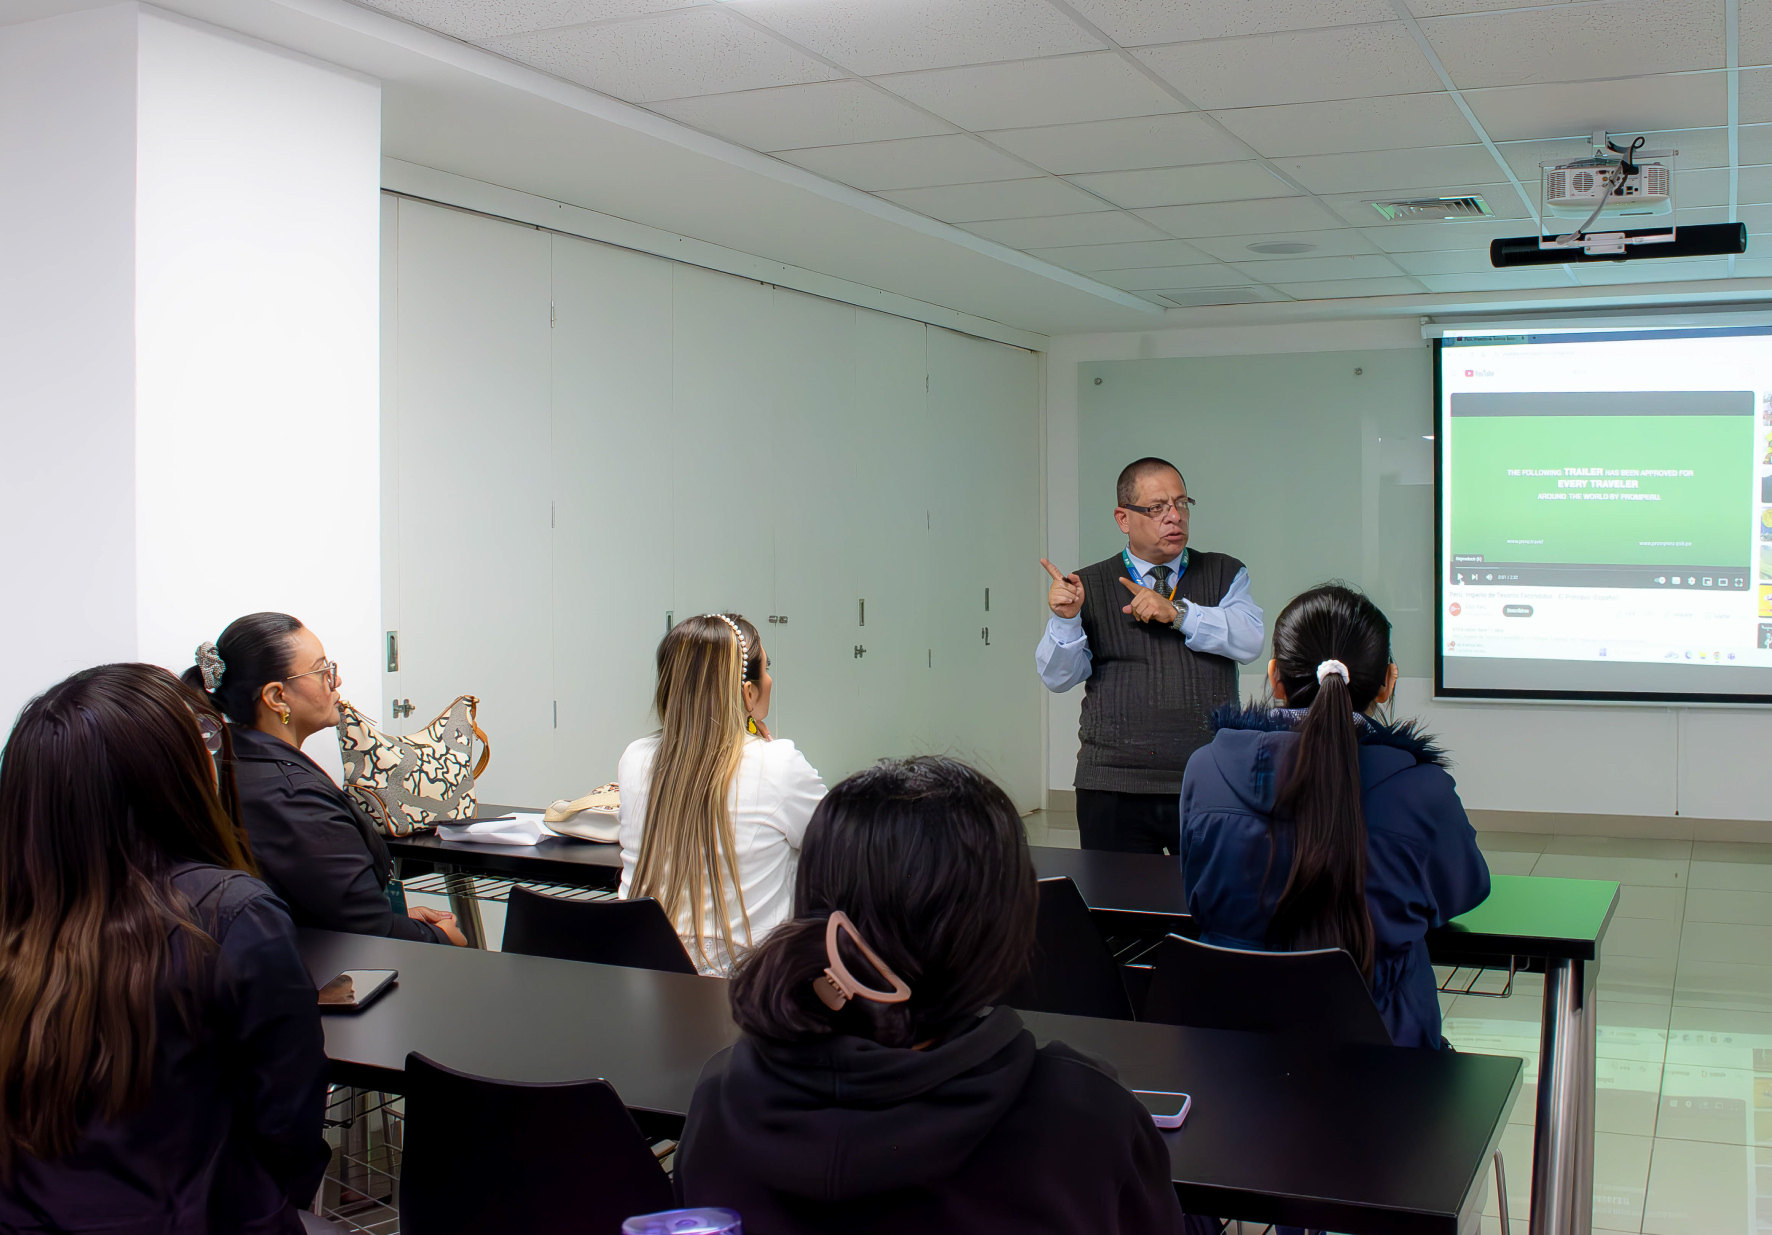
(523, 828)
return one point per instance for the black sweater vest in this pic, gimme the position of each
(1148, 697)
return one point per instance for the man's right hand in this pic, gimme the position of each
(444, 922)
(1065, 596)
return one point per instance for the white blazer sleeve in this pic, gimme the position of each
(800, 789)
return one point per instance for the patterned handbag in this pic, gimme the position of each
(410, 783)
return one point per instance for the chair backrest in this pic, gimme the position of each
(1319, 994)
(634, 933)
(1072, 972)
(483, 1155)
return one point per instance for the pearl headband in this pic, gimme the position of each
(1332, 667)
(744, 646)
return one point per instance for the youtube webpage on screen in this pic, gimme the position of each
(1605, 515)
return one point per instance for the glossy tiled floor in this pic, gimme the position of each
(1684, 1102)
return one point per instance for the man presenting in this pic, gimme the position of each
(1155, 632)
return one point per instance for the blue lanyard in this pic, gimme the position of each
(1137, 577)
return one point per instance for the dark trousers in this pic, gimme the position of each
(1129, 822)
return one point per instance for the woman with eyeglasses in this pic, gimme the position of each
(314, 846)
(161, 1062)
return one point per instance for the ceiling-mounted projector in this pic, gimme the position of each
(1616, 182)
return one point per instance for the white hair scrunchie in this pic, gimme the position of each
(1332, 666)
(210, 662)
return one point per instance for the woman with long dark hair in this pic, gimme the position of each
(161, 1066)
(879, 1087)
(315, 847)
(1313, 824)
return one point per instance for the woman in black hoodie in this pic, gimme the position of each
(876, 1088)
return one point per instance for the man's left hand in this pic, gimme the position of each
(1147, 606)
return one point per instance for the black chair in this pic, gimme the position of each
(1318, 993)
(1073, 972)
(484, 1155)
(634, 933)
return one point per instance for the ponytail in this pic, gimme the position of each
(1332, 656)
(254, 650)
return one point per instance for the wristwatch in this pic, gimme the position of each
(1180, 614)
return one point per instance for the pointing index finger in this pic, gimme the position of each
(1052, 570)
(1132, 587)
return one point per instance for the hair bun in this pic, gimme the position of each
(210, 662)
(1335, 667)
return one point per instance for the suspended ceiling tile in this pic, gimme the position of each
(478, 20)
(1056, 90)
(1346, 289)
(669, 56)
(1178, 186)
(1627, 105)
(790, 117)
(1302, 269)
(1755, 142)
(1162, 278)
(1500, 197)
(1132, 23)
(1305, 66)
(1753, 267)
(1336, 242)
(1120, 145)
(1253, 294)
(871, 38)
(1707, 186)
(1437, 8)
(1758, 218)
(1655, 270)
(1579, 42)
(1094, 258)
(1374, 170)
(1458, 261)
(1756, 95)
(1002, 199)
(1432, 237)
(908, 163)
(1278, 214)
(1499, 280)
(1394, 122)
(1755, 39)
(1101, 227)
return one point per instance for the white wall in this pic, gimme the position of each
(1644, 761)
(590, 438)
(67, 321)
(195, 429)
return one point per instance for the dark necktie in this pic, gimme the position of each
(1160, 580)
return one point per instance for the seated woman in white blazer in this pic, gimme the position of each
(712, 807)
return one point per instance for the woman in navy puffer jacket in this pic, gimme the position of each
(1312, 824)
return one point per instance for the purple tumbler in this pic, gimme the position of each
(685, 1222)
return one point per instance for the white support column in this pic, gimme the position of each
(193, 263)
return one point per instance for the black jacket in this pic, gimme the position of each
(229, 1141)
(316, 849)
(980, 1132)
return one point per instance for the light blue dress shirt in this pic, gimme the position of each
(1234, 627)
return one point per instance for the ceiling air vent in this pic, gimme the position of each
(1417, 209)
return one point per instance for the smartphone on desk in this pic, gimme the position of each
(1167, 1110)
(355, 989)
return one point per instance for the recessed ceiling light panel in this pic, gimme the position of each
(1444, 209)
(1281, 246)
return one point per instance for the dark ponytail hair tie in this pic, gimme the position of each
(837, 986)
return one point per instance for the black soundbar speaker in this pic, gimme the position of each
(1710, 240)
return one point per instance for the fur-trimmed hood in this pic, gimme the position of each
(1404, 735)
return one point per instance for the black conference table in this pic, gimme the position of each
(1554, 926)
(1376, 1140)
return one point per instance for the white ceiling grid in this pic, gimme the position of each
(1151, 143)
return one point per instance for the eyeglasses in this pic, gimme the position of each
(330, 669)
(211, 730)
(1156, 510)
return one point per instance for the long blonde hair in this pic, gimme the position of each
(687, 849)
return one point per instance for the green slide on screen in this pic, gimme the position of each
(1593, 489)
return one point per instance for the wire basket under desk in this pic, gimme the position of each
(481, 887)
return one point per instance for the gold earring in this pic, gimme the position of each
(286, 716)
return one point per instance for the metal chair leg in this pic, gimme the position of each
(1501, 1192)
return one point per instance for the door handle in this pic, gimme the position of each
(859, 652)
(985, 634)
(402, 708)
